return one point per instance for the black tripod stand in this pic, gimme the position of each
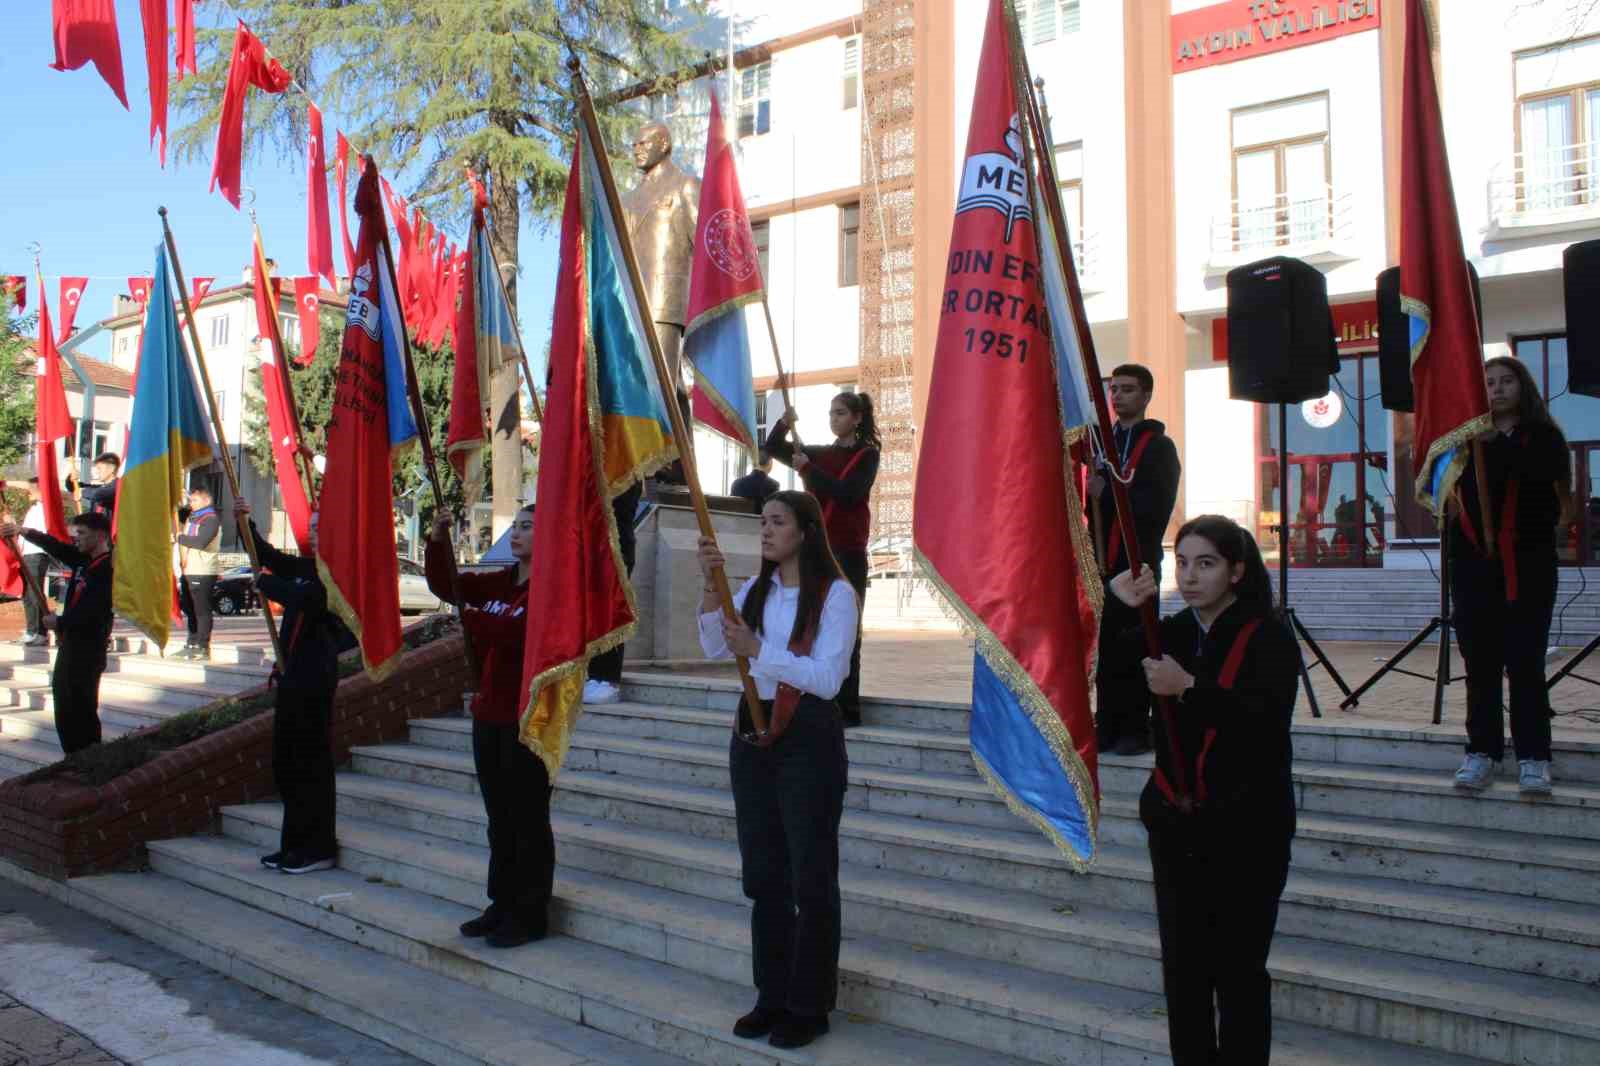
(1569, 668)
(1441, 622)
(1296, 628)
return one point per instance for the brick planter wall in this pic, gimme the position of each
(61, 829)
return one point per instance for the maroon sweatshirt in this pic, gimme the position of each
(495, 616)
(841, 480)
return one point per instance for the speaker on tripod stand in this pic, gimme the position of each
(1281, 350)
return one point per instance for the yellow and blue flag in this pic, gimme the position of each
(168, 437)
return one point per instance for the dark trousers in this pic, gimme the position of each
(1500, 638)
(1122, 699)
(302, 765)
(37, 565)
(516, 796)
(608, 665)
(787, 802)
(194, 597)
(1217, 907)
(75, 694)
(854, 565)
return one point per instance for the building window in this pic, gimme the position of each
(220, 398)
(755, 100)
(1579, 416)
(219, 331)
(1558, 126)
(289, 330)
(852, 72)
(124, 342)
(1069, 175)
(849, 242)
(762, 232)
(1042, 21)
(1280, 173)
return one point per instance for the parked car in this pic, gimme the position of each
(414, 594)
(233, 593)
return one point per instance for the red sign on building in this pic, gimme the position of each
(1355, 328)
(1240, 29)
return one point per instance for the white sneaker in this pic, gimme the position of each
(1534, 776)
(1476, 772)
(599, 692)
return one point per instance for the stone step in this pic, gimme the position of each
(30, 681)
(40, 726)
(423, 1012)
(222, 655)
(637, 995)
(19, 756)
(1043, 1017)
(670, 690)
(1547, 938)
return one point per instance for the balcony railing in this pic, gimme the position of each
(1551, 186)
(1305, 223)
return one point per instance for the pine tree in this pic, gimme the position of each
(16, 381)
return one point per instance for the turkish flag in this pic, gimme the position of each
(52, 421)
(153, 13)
(319, 240)
(86, 32)
(307, 300)
(341, 174)
(201, 287)
(285, 433)
(183, 28)
(139, 289)
(71, 296)
(17, 286)
(251, 65)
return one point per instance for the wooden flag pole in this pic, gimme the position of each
(783, 379)
(302, 470)
(414, 392)
(216, 424)
(1149, 619)
(669, 393)
(28, 579)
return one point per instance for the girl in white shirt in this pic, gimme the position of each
(797, 626)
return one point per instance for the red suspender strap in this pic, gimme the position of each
(1235, 659)
(1114, 542)
(1508, 538)
(1225, 679)
(828, 504)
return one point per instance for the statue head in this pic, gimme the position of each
(651, 145)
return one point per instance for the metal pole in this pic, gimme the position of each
(216, 425)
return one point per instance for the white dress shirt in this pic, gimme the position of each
(820, 673)
(34, 519)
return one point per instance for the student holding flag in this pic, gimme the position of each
(1220, 864)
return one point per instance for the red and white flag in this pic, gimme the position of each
(307, 301)
(52, 421)
(139, 289)
(251, 65)
(341, 174)
(319, 238)
(17, 286)
(201, 287)
(183, 29)
(71, 296)
(275, 384)
(86, 32)
(153, 14)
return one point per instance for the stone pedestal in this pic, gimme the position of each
(666, 576)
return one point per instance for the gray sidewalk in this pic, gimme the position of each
(75, 991)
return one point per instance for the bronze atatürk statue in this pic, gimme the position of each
(661, 214)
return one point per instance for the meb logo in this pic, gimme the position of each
(363, 310)
(996, 180)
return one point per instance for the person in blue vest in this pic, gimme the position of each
(1148, 464)
(1221, 817)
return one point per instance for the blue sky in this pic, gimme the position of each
(82, 179)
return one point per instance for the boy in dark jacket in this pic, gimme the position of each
(513, 780)
(302, 750)
(82, 628)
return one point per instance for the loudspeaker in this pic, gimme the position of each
(1281, 347)
(1394, 339)
(1580, 283)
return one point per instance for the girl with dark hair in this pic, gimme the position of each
(797, 624)
(1504, 599)
(1220, 856)
(840, 475)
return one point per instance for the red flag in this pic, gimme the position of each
(371, 422)
(319, 239)
(341, 168)
(183, 28)
(1435, 289)
(468, 433)
(153, 13)
(251, 65)
(139, 289)
(10, 569)
(201, 287)
(71, 296)
(275, 386)
(588, 606)
(51, 420)
(308, 301)
(17, 286)
(997, 525)
(86, 32)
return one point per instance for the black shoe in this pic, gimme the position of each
(298, 863)
(798, 1030)
(759, 1022)
(273, 861)
(513, 932)
(483, 924)
(1132, 744)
